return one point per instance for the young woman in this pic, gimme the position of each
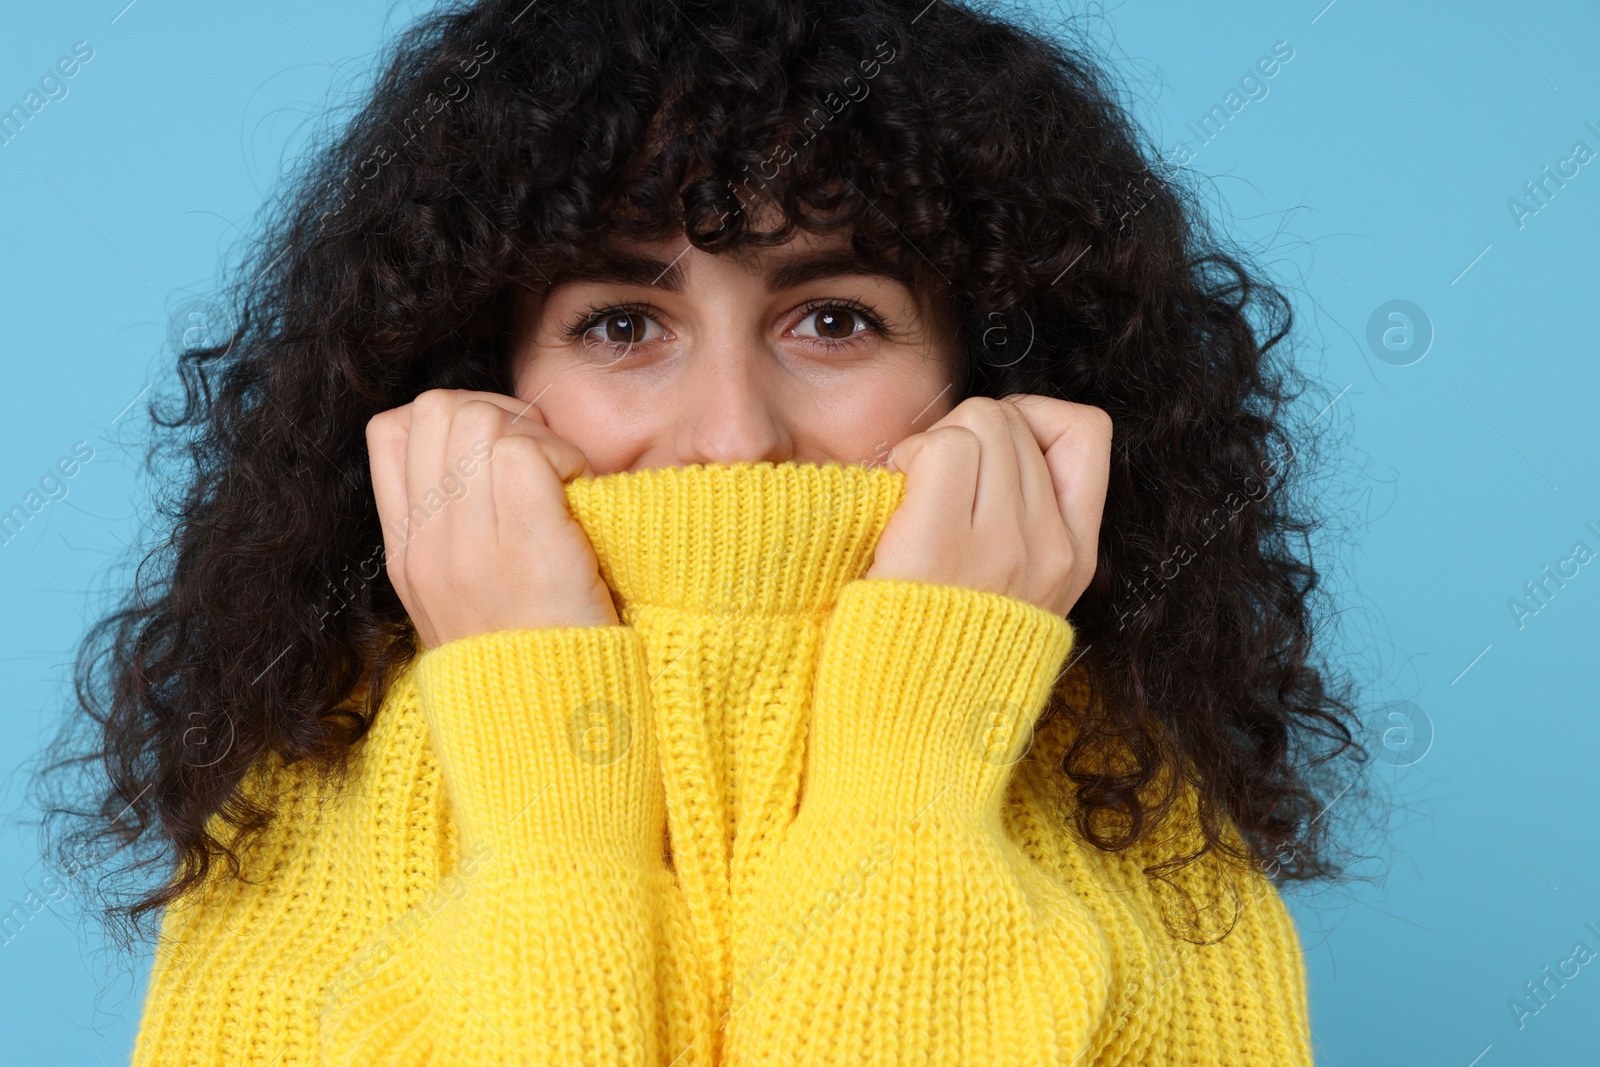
(619, 613)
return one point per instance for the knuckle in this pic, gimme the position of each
(385, 424)
(517, 463)
(518, 449)
(1099, 420)
(461, 569)
(979, 407)
(414, 570)
(478, 418)
(434, 403)
(1062, 561)
(984, 415)
(527, 411)
(954, 437)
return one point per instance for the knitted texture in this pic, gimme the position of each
(781, 814)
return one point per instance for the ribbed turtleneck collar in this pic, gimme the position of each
(742, 538)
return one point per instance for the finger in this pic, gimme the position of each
(566, 459)
(526, 491)
(523, 410)
(431, 414)
(469, 492)
(941, 467)
(387, 435)
(1076, 441)
(386, 454)
(1033, 474)
(998, 473)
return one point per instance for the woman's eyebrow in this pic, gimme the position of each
(621, 268)
(808, 267)
(634, 268)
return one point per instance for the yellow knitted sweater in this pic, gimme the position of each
(781, 814)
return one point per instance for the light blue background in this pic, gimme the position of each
(1377, 167)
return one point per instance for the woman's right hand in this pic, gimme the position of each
(476, 529)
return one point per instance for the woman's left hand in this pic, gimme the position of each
(1004, 496)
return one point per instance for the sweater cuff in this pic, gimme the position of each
(545, 739)
(926, 696)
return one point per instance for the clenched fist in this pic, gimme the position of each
(476, 530)
(1004, 496)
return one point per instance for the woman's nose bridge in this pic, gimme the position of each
(726, 395)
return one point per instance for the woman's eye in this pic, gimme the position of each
(624, 328)
(835, 323)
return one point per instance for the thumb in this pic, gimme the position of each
(902, 455)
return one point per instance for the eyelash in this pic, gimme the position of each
(594, 315)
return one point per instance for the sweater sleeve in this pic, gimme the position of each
(902, 924)
(543, 947)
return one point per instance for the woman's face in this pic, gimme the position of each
(663, 355)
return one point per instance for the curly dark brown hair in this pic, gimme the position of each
(990, 160)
